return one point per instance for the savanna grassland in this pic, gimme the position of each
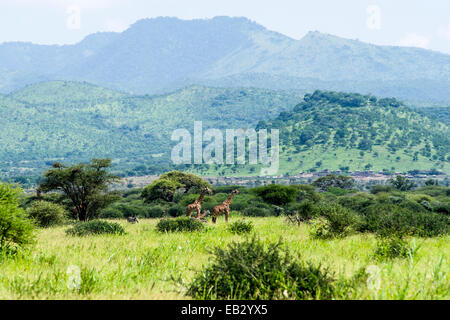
(147, 264)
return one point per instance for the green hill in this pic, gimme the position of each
(64, 93)
(330, 130)
(72, 121)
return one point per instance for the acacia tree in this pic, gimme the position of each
(85, 185)
(169, 183)
(401, 183)
(332, 180)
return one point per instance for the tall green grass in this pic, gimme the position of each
(147, 264)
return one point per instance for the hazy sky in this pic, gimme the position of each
(421, 23)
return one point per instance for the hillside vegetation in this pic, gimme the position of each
(352, 131)
(73, 121)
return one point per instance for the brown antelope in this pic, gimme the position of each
(224, 208)
(197, 205)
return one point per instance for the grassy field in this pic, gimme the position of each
(145, 264)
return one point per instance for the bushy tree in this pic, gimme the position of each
(167, 185)
(332, 180)
(277, 194)
(47, 214)
(15, 227)
(256, 270)
(86, 185)
(187, 180)
(401, 183)
(160, 189)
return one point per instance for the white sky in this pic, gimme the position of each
(421, 23)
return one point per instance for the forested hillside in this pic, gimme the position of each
(72, 121)
(351, 131)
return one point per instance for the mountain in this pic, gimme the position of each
(332, 130)
(74, 121)
(165, 54)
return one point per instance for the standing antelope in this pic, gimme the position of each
(197, 205)
(224, 208)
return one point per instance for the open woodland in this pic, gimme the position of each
(325, 240)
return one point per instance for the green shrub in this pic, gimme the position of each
(16, 229)
(387, 219)
(256, 212)
(340, 221)
(434, 191)
(240, 227)
(321, 229)
(441, 207)
(306, 210)
(401, 183)
(332, 180)
(111, 213)
(357, 202)
(164, 189)
(251, 270)
(47, 214)
(228, 189)
(339, 191)
(176, 210)
(179, 224)
(307, 192)
(277, 194)
(95, 227)
(135, 208)
(243, 201)
(155, 212)
(392, 247)
(381, 188)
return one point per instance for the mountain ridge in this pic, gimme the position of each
(162, 54)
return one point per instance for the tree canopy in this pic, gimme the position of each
(86, 185)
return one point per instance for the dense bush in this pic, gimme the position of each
(380, 188)
(357, 202)
(47, 214)
(95, 227)
(305, 210)
(336, 221)
(307, 192)
(277, 194)
(160, 189)
(388, 219)
(332, 180)
(440, 207)
(228, 189)
(401, 183)
(251, 270)
(339, 191)
(16, 229)
(176, 210)
(179, 224)
(111, 213)
(155, 212)
(256, 212)
(393, 247)
(240, 227)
